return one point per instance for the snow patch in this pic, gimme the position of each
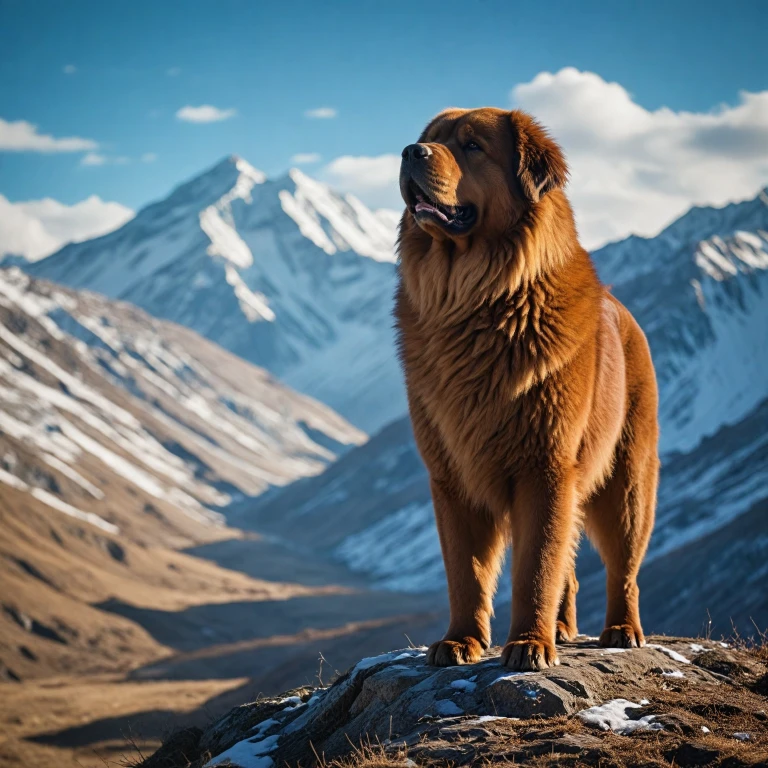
(464, 685)
(511, 676)
(492, 718)
(613, 716)
(409, 655)
(247, 754)
(401, 551)
(674, 655)
(13, 481)
(447, 708)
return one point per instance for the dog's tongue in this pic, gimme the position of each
(430, 209)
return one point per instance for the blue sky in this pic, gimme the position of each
(117, 73)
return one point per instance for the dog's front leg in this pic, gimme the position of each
(473, 548)
(542, 523)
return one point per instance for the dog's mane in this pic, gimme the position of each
(446, 280)
(510, 286)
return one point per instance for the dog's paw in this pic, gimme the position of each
(451, 653)
(565, 633)
(622, 636)
(529, 655)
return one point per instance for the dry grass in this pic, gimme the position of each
(371, 756)
(756, 645)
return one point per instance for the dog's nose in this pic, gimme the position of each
(414, 152)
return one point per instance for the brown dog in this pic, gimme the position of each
(531, 389)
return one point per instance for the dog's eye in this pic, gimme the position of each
(472, 146)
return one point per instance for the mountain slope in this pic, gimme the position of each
(700, 291)
(103, 405)
(124, 438)
(284, 273)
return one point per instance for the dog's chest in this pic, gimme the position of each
(472, 388)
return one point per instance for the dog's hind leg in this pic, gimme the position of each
(619, 522)
(619, 517)
(566, 618)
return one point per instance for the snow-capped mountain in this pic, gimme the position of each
(700, 291)
(120, 420)
(285, 273)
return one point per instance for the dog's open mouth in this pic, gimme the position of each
(455, 218)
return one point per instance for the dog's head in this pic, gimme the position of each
(478, 169)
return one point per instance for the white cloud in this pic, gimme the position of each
(21, 136)
(148, 157)
(204, 114)
(173, 71)
(93, 158)
(373, 179)
(70, 69)
(305, 158)
(635, 170)
(37, 228)
(321, 113)
(21, 234)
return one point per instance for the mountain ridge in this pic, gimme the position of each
(283, 272)
(91, 383)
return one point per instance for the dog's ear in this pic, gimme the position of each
(539, 165)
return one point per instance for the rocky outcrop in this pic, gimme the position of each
(678, 702)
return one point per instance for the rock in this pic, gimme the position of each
(250, 719)
(483, 712)
(693, 754)
(183, 745)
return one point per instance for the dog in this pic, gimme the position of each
(530, 387)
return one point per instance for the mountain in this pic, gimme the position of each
(700, 291)
(119, 434)
(122, 438)
(100, 398)
(124, 441)
(371, 510)
(283, 272)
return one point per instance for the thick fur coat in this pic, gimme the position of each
(531, 389)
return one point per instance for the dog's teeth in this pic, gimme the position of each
(430, 209)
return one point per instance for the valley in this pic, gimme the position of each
(123, 441)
